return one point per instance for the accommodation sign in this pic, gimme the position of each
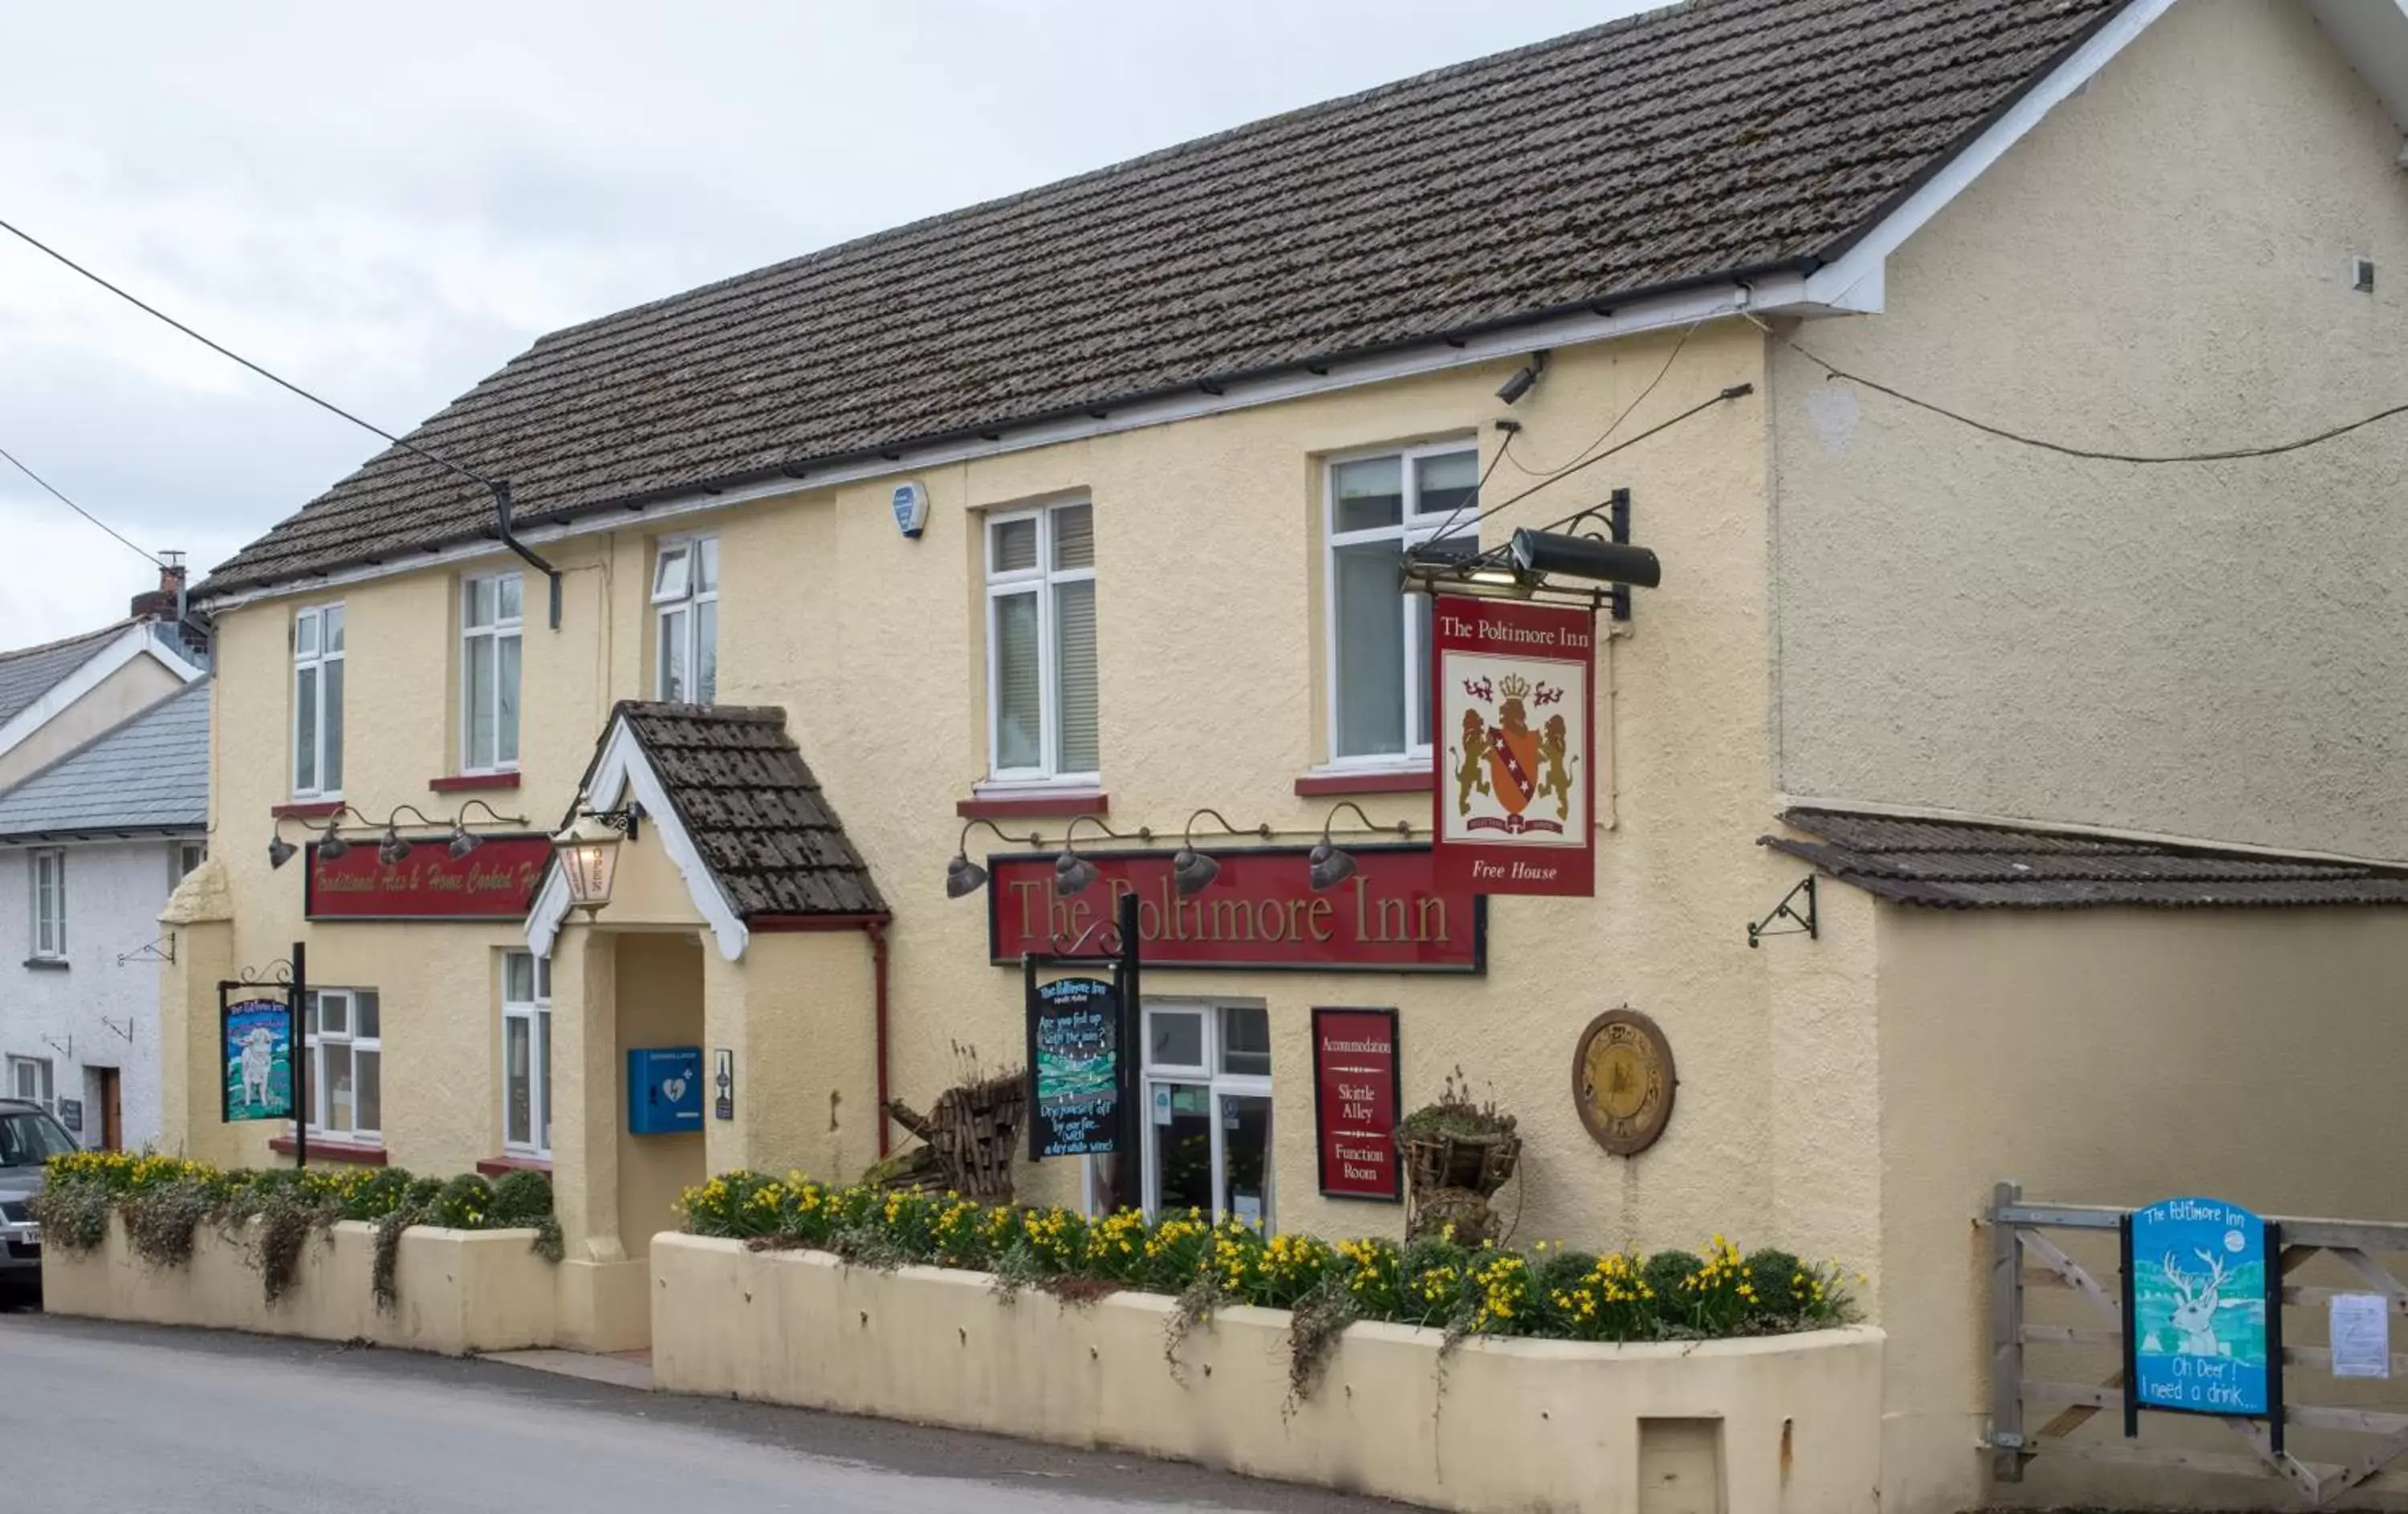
(1393, 916)
(1074, 1059)
(1514, 698)
(1355, 1090)
(2200, 1331)
(495, 882)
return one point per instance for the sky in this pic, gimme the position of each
(384, 205)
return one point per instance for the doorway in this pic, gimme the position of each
(107, 1088)
(659, 993)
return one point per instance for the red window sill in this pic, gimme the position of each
(360, 1155)
(307, 810)
(1333, 785)
(1018, 806)
(466, 782)
(496, 1166)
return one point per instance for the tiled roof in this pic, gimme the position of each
(147, 773)
(1955, 866)
(28, 674)
(1715, 139)
(745, 796)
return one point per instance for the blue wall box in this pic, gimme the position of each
(664, 1089)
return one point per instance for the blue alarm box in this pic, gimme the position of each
(664, 1089)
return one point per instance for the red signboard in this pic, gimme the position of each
(1356, 1091)
(1261, 911)
(1514, 690)
(495, 882)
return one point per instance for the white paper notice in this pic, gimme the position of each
(2361, 1336)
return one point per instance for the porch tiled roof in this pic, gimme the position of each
(747, 799)
(1950, 865)
(1708, 140)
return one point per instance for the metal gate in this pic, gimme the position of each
(2038, 1416)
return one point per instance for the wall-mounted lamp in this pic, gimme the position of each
(280, 851)
(464, 841)
(1524, 380)
(1329, 865)
(1192, 872)
(394, 848)
(1584, 556)
(964, 876)
(588, 849)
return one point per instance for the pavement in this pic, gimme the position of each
(149, 1420)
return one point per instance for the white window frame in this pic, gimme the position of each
(536, 1013)
(1219, 1086)
(322, 650)
(1410, 531)
(47, 1081)
(320, 1089)
(693, 595)
(1042, 579)
(182, 858)
(499, 629)
(50, 935)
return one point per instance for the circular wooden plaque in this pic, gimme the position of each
(1623, 1081)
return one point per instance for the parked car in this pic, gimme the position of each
(28, 1137)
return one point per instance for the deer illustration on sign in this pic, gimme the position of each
(2196, 1302)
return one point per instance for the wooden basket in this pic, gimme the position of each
(1482, 1164)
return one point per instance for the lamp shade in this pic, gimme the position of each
(333, 847)
(963, 877)
(589, 860)
(1192, 872)
(1328, 866)
(1072, 873)
(463, 840)
(280, 851)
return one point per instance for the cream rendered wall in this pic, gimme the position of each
(2110, 1057)
(1208, 560)
(1207, 557)
(130, 690)
(2210, 651)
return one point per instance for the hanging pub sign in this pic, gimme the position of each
(2202, 1323)
(255, 1049)
(1356, 1091)
(1514, 702)
(1261, 911)
(495, 882)
(1074, 1058)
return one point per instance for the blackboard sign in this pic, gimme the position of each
(1074, 1055)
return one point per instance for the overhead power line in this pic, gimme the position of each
(329, 406)
(1832, 371)
(503, 509)
(1543, 472)
(1737, 391)
(87, 514)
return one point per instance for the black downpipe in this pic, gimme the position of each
(501, 488)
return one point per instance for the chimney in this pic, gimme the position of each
(166, 603)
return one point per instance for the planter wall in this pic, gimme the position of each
(1790, 1423)
(461, 1291)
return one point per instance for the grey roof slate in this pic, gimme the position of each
(147, 773)
(1714, 138)
(754, 812)
(30, 672)
(1956, 866)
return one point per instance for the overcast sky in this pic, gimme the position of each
(386, 210)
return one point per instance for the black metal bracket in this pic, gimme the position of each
(150, 953)
(1614, 515)
(1808, 925)
(125, 1030)
(67, 1051)
(627, 820)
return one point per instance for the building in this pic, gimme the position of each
(88, 852)
(1173, 425)
(91, 846)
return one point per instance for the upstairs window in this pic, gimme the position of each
(1378, 509)
(490, 626)
(1040, 641)
(685, 617)
(50, 904)
(187, 856)
(318, 702)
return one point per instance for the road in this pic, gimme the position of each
(169, 1422)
